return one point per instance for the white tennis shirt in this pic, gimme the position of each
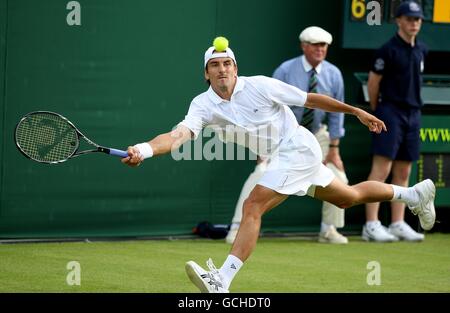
(257, 116)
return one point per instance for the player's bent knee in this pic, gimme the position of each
(251, 209)
(342, 204)
(351, 198)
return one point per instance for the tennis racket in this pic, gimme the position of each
(49, 137)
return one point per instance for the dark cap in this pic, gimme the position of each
(409, 8)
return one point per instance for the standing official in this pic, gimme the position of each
(312, 72)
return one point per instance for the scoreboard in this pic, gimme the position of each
(434, 160)
(435, 166)
(370, 23)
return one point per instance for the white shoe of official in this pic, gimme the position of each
(377, 232)
(332, 236)
(207, 281)
(231, 236)
(404, 232)
(425, 209)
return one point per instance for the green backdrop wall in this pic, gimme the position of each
(126, 74)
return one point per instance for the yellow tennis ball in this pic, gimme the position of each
(220, 44)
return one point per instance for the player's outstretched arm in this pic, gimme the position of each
(374, 124)
(323, 102)
(159, 145)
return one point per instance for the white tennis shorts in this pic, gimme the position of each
(297, 166)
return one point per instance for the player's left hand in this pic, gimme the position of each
(374, 124)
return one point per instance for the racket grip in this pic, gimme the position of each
(119, 153)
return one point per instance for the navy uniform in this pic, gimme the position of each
(399, 105)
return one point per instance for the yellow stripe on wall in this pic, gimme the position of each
(441, 13)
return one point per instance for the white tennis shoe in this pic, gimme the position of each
(332, 236)
(207, 281)
(377, 232)
(404, 232)
(425, 208)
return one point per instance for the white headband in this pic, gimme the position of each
(211, 53)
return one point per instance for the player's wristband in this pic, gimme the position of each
(333, 146)
(145, 149)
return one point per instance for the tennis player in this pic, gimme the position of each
(258, 105)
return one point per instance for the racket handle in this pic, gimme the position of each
(119, 153)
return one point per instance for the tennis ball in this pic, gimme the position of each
(220, 44)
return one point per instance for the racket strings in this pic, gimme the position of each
(46, 137)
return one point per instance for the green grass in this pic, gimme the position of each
(277, 265)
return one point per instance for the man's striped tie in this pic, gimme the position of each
(308, 114)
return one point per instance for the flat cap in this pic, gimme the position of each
(314, 34)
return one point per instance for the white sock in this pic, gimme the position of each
(372, 223)
(397, 224)
(405, 194)
(229, 269)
